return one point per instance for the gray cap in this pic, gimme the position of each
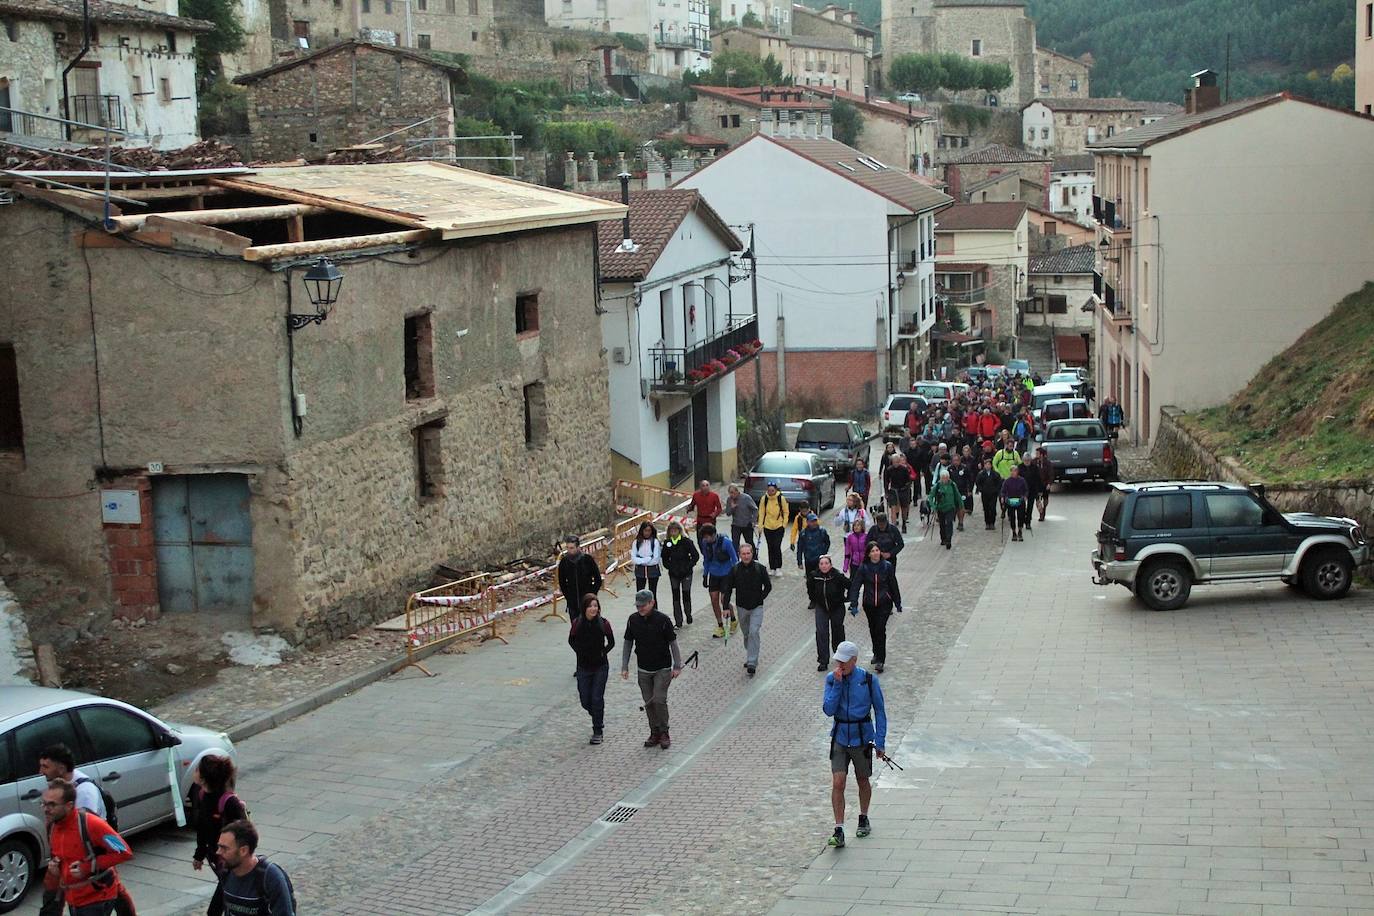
(846, 652)
(643, 597)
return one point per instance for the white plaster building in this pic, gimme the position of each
(139, 75)
(845, 250)
(1060, 295)
(1071, 187)
(1229, 230)
(678, 31)
(667, 310)
(982, 256)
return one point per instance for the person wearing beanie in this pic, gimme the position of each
(651, 636)
(854, 699)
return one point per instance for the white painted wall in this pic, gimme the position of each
(635, 433)
(1080, 187)
(1077, 289)
(1037, 128)
(822, 243)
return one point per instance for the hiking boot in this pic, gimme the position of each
(821, 666)
(961, 526)
(865, 828)
(652, 739)
(750, 669)
(734, 626)
(836, 838)
(878, 667)
(689, 620)
(718, 633)
(596, 738)
(664, 741)
(903, 532)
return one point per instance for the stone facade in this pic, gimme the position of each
(1034, 177)
(340, 528)
(1179, 453)
(987, 32)
(834, 24)
(957, 139)
(444, 25)
(826, 62)
(346, 95)
(1060, 127)
(1059, 76)
(736, 120)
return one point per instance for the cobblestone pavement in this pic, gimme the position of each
(1078, 753)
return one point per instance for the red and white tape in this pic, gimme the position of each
(447, 600)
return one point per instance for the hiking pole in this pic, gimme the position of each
(891, 764)
(692, 660)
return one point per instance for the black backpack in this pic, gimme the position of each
(111, 809)
(260, 876)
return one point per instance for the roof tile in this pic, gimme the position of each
(654, 218)
(896, 184)
(996, 152)
(1163, 129)
(1076, 259)
(994, 215)
(101, 11)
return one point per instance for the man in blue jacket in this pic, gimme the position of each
(855, 700)
(813, 542)
(718, 557)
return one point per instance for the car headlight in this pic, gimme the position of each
(1357, 535)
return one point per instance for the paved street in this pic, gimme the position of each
(1065, 750)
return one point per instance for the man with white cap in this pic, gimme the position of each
(854, 698)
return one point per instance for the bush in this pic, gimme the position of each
(600, 137)
(631, 42)
(967, 115)
(223, 110)
(562, 45)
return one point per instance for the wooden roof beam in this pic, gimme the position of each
(224, 216)
(328, 246)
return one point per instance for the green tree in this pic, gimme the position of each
(772, 71)
(227, 37)
(960, 73)
(751, 21)
(735, 68)
(846, 122)
(994, 77)
(916, 73)
(954, 318)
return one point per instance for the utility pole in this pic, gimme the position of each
(754, 294)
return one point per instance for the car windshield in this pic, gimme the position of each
(1111, 515)
(1042, 399)
(1083, 430)
(900, 403)
(782, 464)
(832, 431)
(1019, 365)
(1070, 378)
(939, 392)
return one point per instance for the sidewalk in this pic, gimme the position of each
(1078, 753)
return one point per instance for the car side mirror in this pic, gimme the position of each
(169, 740)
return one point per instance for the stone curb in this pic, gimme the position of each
(322, 697)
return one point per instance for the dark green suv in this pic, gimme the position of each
(1160, 538)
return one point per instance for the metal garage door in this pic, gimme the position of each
(204, 539)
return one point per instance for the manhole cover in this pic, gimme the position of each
(619, 814)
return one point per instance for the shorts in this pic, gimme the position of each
(715, 583)
(900, 497)
(861, 757)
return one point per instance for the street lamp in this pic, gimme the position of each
(322, 282)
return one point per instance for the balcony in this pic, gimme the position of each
(677, 370)
(964, 296)
(104, 110)
(675, 38)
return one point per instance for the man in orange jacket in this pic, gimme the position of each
(85, 851)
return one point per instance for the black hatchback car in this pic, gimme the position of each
(1160, 538)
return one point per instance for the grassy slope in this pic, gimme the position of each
(1309, 413)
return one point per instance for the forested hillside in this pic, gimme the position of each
(1146, 48)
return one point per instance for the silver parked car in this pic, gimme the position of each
(124, 749)
(805, 480)
(839, 442)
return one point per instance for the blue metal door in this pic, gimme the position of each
(204, 542)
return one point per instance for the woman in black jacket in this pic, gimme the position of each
(592, 640)
(827, 587)
(680, 558)
(876, 581)
(213, 804)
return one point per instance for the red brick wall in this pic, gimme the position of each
(132, 562)
(848, 378)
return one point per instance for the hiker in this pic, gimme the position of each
(886, 536)
(750, 585)
(1045, 468)
(680, 558)
(1031, 475)
(962, 476)
(55, 762)
(578, 574)
(592, 640)
(854, 698)
(853, 511)
(1113, 417)
(827, 589)
(1015, 498)
(773, 519)
(707, 506)
(743, 512)
(253, 886)
(875, 582)
(988, 484)
(945, 502)
(647, 557)
(650, 635)
(860, 482)
(83, 853)
(718, 558)
(897, 483)
(213, 804)
(810, 543)
(854, 544)
(1006, 458)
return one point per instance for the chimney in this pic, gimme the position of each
(1205, 94)
(868, 93)
(570, 172)
(626, 243)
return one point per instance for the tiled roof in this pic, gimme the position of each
(996, 152)
(996, 215)
(1067, 57)
(1078, 162)
(290, 62)
(788, 97)
(826, 44)
(990, 181)
(894, 111)
(1078, 259)
(1162, 108)
(101, 11)
(808, 11)
(1110, 104)
(654, 219)
(701, 141)
(895, 184)
(980, 2)
(1172, 126)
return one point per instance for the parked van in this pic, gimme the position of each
(938, 393)
(1053, 391)
(1065, 409)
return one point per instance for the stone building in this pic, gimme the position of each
(1061, 127)
(735, 115)
(810, 60)
(345, 94)
(138, 76)
(897, 133)
(441, 25)
(833, 22)
(1059, 76)
(198, 438)
(992, 31)
(1002, 174)
(752, 41)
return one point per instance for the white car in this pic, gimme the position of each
(893, 422)
(124, 749)
(909, 97)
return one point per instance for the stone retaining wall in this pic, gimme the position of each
(1178, 453)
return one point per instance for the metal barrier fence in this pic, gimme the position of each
(442, 614)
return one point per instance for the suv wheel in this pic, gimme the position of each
(18, 864)
(1327, 573)
(1164, 585)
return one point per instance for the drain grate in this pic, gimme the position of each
(619, 814)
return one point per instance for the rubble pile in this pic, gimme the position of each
(206, 154)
